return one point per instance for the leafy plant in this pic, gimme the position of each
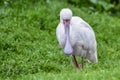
(102, 5)
(29, 49)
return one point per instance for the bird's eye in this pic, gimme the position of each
(66, 20)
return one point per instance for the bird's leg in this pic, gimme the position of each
(75, 62)
(82, 62)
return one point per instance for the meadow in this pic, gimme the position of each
(29, 49)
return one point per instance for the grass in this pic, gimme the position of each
(29, 49)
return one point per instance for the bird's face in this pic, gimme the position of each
(66, 22)
(65, 16)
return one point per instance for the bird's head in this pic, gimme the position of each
(65, 15)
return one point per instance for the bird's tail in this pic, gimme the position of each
(92, 57)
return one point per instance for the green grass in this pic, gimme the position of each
(29, 49)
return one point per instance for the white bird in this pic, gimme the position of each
(76, 37)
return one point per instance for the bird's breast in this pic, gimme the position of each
(61, 36)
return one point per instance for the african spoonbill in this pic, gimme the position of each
(76, 37)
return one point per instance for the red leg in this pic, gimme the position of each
(82, 62)
(75, 62)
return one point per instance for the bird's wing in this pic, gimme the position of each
(79, 21)
(60, 34)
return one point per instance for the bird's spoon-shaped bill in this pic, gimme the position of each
(68, 48)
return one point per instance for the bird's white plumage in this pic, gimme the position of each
(66, 13)
(82, 37)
